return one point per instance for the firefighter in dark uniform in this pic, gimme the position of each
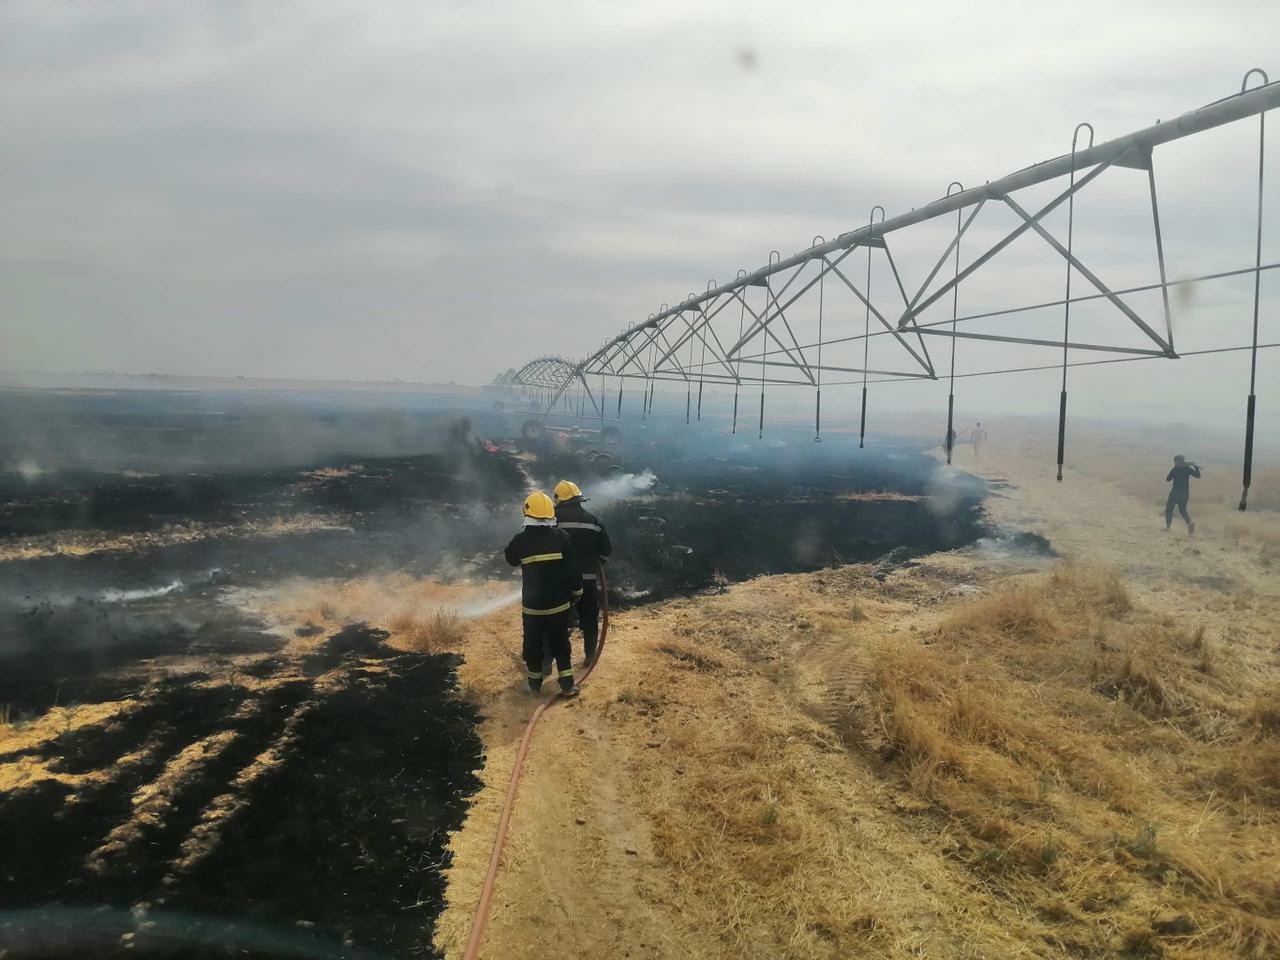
(591, 547)
(551, 586)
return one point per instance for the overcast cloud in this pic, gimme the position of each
(437, 191)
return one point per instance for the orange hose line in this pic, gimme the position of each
(481, 917)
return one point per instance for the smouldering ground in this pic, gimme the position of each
(981, 755)
(82, 543)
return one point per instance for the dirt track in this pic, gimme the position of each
(703, 799)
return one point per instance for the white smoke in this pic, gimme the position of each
(144, 593)
(945, 491)
(117, 595)
(483, 608)
(621, 487)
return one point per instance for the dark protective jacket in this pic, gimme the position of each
(590, 538)
(1181, 477)
(545, 558)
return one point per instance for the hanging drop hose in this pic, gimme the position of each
(1066, 316)
(481, 918)
(1257, 286)
(862, 431)
(955, 306)
(769, 299)
(866, 333)
(647, 393)
(688, 383)
(760, 431)
(866, 353)
(817, 404)
(702, 364)
(737, 374)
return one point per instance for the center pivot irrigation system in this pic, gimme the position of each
(744, 333)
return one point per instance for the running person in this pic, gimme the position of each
(1179, 493)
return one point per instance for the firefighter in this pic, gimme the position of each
(551, 586)
(591, 547)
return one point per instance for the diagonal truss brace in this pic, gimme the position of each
(1089, 275)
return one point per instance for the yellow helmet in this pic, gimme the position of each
(566, 490)
(539, 506)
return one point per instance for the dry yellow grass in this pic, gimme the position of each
(773, 839)
(760, 852)
(1107, 779)
(1264, 713)
(421, 614)
(1123, 767)
(432, 632)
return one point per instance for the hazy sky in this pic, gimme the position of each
(436, 191)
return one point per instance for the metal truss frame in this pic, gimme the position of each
(696, 340)
(547, 382)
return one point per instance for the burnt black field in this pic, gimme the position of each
(174, 500)
(735, 508)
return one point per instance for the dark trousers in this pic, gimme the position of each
(588, 608)
(1178, 500)
(546, 636)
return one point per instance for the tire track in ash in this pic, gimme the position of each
(83, 782)
(316, 789)
(138, 798)
(206, 834)
(166, 809)
(842, 685)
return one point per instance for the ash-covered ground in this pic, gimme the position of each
(209, 785)
(692, 508)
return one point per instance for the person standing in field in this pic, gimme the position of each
(977, 436)
(552, 584)
(592, 549)
(1180, 476)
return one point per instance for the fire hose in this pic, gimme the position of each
(504, 821)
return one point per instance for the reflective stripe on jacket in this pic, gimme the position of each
(545, 558)
(590, 539)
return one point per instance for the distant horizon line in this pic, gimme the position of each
(16, 377)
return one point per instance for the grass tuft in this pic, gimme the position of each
(433, 632)
(1264, 713)
(1135, 682)
(1018, 613)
